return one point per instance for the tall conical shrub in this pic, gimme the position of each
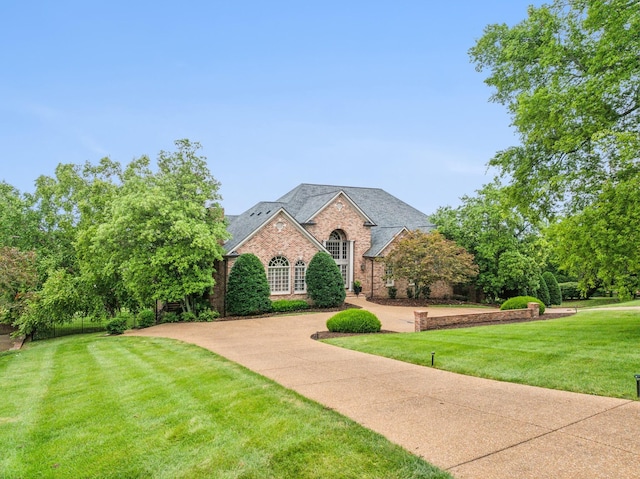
(543, 292)
(325, 285)
(555, 294)
(248, 289)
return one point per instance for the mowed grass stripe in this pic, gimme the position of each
(594, 352)
(145, 407)
(18, 416)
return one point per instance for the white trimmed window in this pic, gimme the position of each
(299, 270)
(388, 273)
(278, 275)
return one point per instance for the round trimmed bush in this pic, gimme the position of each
(555, 295)
(354, 321)
(119, 324)
(146, 318)
(325, 284)
(520, 302)
(248, 289)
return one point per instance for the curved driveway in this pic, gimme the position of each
(472, 427)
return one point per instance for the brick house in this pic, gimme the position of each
(355, 225)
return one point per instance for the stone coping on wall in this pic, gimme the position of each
(423, 322)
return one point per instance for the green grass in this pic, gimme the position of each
(589, 303)
(78, 325)
(594, 352)
(99, 406)
(633, 302)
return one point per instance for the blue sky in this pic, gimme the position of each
(360, 93)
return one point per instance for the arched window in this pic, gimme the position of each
(338, 247)
(299, 270)
(278, 275)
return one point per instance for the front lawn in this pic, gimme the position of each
(594, 352)
(98, 406)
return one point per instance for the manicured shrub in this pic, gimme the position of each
(425, 292)
(146, 318)
(354, 321)
(520, 302)
(392, 291)
(170, 318)
(543, 292)
(284, 305)
(119, 324)
(208, 315)
(248, 289)
(555, 295)
(570, 290)
(325, 285)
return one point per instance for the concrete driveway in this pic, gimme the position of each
(472, 427)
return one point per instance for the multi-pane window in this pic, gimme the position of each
(278, 275)
(299, 270)
(389, 276)
(338, 248)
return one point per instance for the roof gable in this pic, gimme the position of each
(334, 198)
(387, 215)
(254, 216)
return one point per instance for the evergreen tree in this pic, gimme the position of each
(543, 292)
(248, 289)
(325, 285)
(555, 294)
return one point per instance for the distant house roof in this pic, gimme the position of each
(386, 214)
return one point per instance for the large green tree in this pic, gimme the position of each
(601, 244)
(19, 221)
(164, 230)
(508, 249)
(18, 282)
(569, 74)
(424, 258)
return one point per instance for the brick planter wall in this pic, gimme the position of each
(424, 323)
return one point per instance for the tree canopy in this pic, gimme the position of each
(569, 76)
(508, 248)
(106, 237)
(600, 245)
(425, 258)
(163, 231)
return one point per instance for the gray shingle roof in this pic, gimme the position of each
(388, 213)
(244, 225)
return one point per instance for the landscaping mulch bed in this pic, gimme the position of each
(329, 335)
(290, 313)
(417, 303)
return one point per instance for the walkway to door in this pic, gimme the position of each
(474, 428)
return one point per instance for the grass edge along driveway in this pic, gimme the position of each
(593, 352)
(98, 406)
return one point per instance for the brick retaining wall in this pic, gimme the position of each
(423, 322)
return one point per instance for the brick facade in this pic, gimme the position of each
(296, 233)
